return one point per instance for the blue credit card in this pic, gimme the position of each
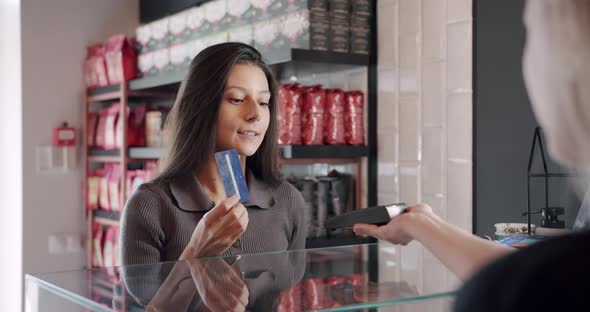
(232, 176)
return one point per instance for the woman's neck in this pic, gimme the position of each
(211, 181)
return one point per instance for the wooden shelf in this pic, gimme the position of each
(104, 159)
(109, 218)
(103, 292)
(106, 156)
(312, 153)
(290, 63)
(324, 151)
(103, 283)
(99, 152)
(107, 93)
(146, 153)
(134, 153)
(166, 80)
(340, 240)
(113, 93)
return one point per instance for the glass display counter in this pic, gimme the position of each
(359, 277)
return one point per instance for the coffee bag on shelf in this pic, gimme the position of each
(92, 125)
(95, 70)
(334, 117)
(97, 243)
(103, 188)
(110, 127)
(121, 59)
(353, 118)
(289, 114)
(314, 99)
(92, 183)
(114, 188)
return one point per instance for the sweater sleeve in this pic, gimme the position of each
(141, 235)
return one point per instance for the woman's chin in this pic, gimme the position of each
(246, 150)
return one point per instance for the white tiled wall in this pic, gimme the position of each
(425, 117)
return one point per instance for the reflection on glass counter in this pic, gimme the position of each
(332, 279)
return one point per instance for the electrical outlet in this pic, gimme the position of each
(65, 243)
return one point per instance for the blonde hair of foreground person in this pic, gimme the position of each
(556, 68)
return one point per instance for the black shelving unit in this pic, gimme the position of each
(342, 240)
(170, 81)
(146, 153)
(324, 151)
(102, 152)
(104, 90)
(107, 215)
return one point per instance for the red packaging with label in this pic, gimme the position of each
(92, 123)
(340, 292)
(110, 244)
(93, 182)
(131, 130)
(334, 117)
(103, 188)
(294, 117)
(314, 101)
(154, 127)
(110, 127)
(121, 59)
(139, 113)
(116, 255)
(290, 114)
(290, 299)
(335, 280)
(313, 294)
(100, 128)
(353, 118)
(89, 76)
(114, 187)
(357, 280)
(97, 245)
(282, 113)
(95, 71)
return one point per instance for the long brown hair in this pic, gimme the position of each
(192, 122)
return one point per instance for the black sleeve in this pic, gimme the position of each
(547, 276)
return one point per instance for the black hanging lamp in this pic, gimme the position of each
(549, 215)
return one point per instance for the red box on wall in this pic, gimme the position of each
(64, 135)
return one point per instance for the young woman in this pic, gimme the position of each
(227, 101)
(548, 276)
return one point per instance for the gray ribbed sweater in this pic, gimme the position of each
(160, 217)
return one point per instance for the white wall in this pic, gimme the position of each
(54, 39)
(425, 118)
(10, 157)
